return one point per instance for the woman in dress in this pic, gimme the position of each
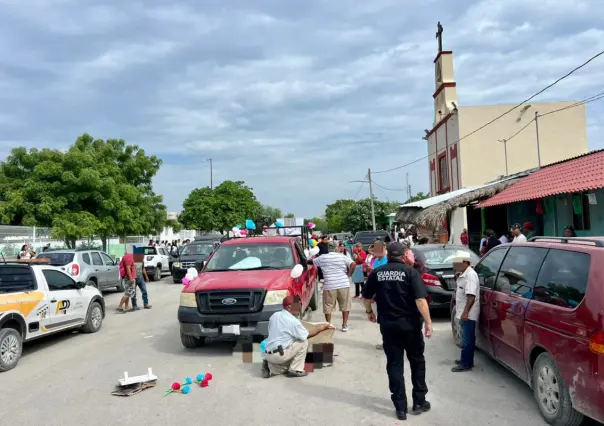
(358, 277)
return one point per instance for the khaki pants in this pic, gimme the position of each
(292, 359)
(343, 298)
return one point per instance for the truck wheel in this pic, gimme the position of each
(157, 273)
(314, 301)
(552, 395)
(455, 328)
(120, 286)
(94, 318)
(11, 346)
(191, 342)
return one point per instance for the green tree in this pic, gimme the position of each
(289, 216)
(197, 210)
(107, 180)
(227, 205)
(358, 217)
(417, 197)
(267, 215)
(320, 224)
(334, 214)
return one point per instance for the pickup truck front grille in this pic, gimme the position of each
(187, 265)
(230, 301)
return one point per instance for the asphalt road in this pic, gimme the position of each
(67, 380)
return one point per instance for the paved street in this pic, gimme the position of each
(67, 380)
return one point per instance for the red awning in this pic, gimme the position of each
(579, 174)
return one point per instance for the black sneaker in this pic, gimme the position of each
(460, 369)
(266, 373)
(297, 373)
(401, 415)
(135, 308)
(418, 409)
(458, 362)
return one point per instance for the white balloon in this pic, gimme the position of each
(192, 274)
(314, 251)
(296, 271)
(306, 253)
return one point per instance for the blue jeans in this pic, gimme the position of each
(140, 283)
(468, 342)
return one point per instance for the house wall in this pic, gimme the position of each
(561, 136)
(562, 216)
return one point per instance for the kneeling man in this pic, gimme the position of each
(287, 342)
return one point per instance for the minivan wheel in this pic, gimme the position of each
(157, 274)
(11, 346)
(552, 394)
(120, 287)
(455, 328)
(92, 283)
(94, 319)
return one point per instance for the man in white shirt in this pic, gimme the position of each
(337, 269)
(287, 342)
(467, 310)
(518, 235)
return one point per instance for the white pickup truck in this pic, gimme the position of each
(37, 300)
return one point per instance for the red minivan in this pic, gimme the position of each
(542, 317)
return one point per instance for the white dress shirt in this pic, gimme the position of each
(467, 285)
(284, 329)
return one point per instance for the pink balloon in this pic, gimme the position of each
(186, 281)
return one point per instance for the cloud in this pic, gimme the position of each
(295, 98)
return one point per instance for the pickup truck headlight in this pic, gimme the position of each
(176, 265)
(187, 300)
(275, 297)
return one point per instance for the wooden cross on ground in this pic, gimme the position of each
(439, 36)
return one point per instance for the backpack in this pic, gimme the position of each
(122, 269)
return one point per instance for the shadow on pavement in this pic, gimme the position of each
(373, 404)
(34, 346)
(169, 343)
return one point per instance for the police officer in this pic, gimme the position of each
(401, 303)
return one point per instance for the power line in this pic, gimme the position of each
(388, 189)
(576, 104)
(359, 191)
(505, 113)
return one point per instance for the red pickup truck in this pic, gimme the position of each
(241, 285)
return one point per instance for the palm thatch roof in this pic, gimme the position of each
(432, 217)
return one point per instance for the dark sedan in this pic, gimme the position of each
(435, 264)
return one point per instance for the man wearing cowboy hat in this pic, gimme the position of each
(467, 309)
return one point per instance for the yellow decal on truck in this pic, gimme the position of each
(24, 302)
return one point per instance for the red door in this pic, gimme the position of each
(509, 302)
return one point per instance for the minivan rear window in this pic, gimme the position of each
(563, 278)
(57, 259)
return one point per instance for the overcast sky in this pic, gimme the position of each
(296, 98)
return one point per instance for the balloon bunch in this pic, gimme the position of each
(183, 388)
(191, 274)
(311, 225)
(203, 380)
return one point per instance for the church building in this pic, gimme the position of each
(532, 135)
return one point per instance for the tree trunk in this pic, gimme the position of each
(104, 242)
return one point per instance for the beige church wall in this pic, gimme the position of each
(562, 135)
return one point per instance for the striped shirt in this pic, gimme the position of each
(335, 270)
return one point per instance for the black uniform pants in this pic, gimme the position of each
(398, 340)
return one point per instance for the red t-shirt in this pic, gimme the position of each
(464, 239)
(128, 266)
(361, 256)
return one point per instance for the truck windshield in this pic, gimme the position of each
(233, 257)
(197, 250)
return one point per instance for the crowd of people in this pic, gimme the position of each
(394, 296)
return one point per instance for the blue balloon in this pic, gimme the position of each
(262, 347)
(249, 224)
(238, 227)
(279, 224)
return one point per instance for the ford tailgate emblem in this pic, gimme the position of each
(229, 301)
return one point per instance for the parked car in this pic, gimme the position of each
(43, 300)
(191, 256)
(156, 262)
(542, 317)
(93, 267)
(435, 264)
(368, 237)
(241, 286)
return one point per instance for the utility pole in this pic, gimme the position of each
(537, 128)
(371, 198)
(408, 188)
(505, 151)
(211, 174)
